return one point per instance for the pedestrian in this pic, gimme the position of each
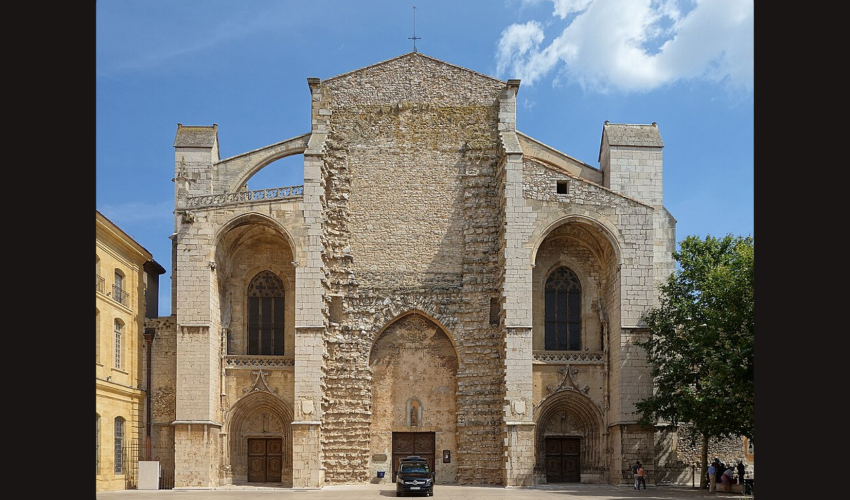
(741, 470)
(712, 477)
(719, 468)
(641, 478)
(635, 468)
(726, 479)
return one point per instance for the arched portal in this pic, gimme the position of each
(258, 440)
(253, 252)
(569, 443)
(414, 411)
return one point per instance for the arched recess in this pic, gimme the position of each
(583, 248)
(414, 367)
(249, 244)
(596, 229)
(570, 413)
(259, 414)
(235, 231)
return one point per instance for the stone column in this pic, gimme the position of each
(310, 320)
(516, 302)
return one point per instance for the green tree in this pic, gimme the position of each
(701, 342)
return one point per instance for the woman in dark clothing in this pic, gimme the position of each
(719, 469)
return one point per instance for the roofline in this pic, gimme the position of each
(604, 125)
(132, 240)
(416, 54)
(557, 151)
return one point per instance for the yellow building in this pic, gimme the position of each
(126, 290)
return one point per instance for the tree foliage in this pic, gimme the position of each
(702, 340)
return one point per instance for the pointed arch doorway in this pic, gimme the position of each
(414, 388)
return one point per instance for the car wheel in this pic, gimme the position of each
(398, 493)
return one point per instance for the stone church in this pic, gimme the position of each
(441, 285)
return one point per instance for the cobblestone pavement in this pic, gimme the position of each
(382, 491)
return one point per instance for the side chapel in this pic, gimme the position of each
(441, 284)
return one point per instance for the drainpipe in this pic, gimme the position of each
(149, 334)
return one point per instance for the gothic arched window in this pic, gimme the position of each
(563, 311)
(265, 314)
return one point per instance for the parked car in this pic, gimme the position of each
(414, 476)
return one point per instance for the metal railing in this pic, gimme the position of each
(120, 295)
(134, 452)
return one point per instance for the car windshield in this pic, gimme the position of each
(414, 468)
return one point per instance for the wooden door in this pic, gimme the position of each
(562, 460)
(413, 443)
(265, 460)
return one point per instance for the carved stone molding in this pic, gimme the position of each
(568, 382)
(234, 361)
(260, 383)
(570, 357)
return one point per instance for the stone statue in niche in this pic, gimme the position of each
(414, 414)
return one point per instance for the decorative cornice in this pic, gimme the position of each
(258, 362)
(572, 357)
(246, 196)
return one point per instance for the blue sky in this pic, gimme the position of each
(686, 65)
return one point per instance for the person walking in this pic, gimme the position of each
(712, 478)
(635, 468)
(641, 478)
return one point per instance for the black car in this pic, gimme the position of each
(414, 476)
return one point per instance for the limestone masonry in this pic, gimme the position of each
(441, 285)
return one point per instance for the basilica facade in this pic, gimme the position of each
(440, 285)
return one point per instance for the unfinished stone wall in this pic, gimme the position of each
(411, 218)
(679, 454)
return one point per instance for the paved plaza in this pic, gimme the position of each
(382, 491)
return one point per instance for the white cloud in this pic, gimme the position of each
(634, 45)
(564, 8)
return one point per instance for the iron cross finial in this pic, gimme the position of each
(414, 37)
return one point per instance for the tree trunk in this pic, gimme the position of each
(704, 480)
